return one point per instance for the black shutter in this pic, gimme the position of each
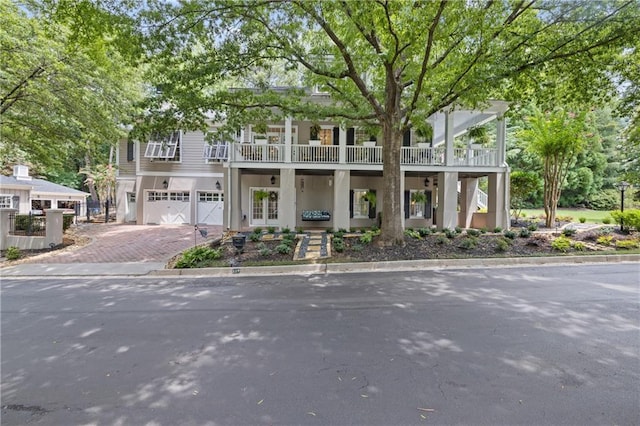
(407, 203)
(428, 206)
(351, 136)
(130, 146)
(372, 207)
(406, 138)
(351, 203)
(336, 136)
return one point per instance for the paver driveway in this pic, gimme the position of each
(113, 243)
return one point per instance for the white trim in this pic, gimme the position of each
(179, 174)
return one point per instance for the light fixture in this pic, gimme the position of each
(301, 184)
(622, 186)
(165, 184)
(273, 180)
(218, 186)
(426, 181)
(330, 180)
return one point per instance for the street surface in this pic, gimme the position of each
(535, 346)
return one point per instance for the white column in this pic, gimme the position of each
(498, 199)
(501, 146)
(402, 186)
(287, 140)
(448, 138)
(341, 186)
(468, 200)
(342, 148)
(447, 212)
(232, 202)
(287, 203)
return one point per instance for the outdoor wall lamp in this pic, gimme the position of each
(426, 181)
(165, 184)
(273, 180)
(218, 186)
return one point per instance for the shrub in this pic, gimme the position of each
(195, 257)
(441, 239)
(375, 228)
(510, 234)
(606, 220)
(468, 243)
(13, 253)
(300, 230)
(329, 231)
(424, 232)
(449, 233)
(524, 233)
(257, 230)
(265, 251)
(271, 229)
(582, 219)
(366, 238)
(338, 244)
(627, 244)
(605, 231)
(497, 230)
(413, 234)
(484, 230)
(67, 220)
(344, 231)
(503, 244)
(561, 244)
(532, 227)
(289, 239)
(458, 230)
(255, 237)
(568, 232)
(605, 240)
(473, 232)
(286, 230)
(579, 246)
(339, 234)
(630, 217)
(564, 219)
(283, 248)
(357, 247)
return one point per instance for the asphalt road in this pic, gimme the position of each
(544, 346)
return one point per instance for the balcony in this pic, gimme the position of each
(358, 155)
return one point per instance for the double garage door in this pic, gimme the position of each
(174, 207)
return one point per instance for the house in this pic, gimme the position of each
(296, 173)
(28, 194)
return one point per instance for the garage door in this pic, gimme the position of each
(210, 207)
(167, 207)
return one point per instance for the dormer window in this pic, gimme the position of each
(166, 148)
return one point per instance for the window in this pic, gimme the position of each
(179, 196)
(360, 203)
(326, 136)
(166, 148)
(275, 135)
(6, 201)
(157, 196)
(216, 151)
(131, 151)
(416, 204)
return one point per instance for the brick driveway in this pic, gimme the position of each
(113, 243)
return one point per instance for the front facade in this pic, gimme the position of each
(300, 174)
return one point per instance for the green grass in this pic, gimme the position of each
(592, 216)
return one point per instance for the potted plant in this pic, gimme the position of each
(260, 133)
(260, 194)
(479, 135)
(419, 197)
(370, 196)
(314, 134)
(425, 134)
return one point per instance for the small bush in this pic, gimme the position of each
(524, 233)
(283, 248)
(339, 234)
(627, 244)
(357, 247)
(503, 244)
(13, 253)
(329, 231)
(338, 244)
(441, 239)
(271, 229)
(255, 237)
(473, 232)
(532, 227)
(67, 220)
(286, 230)
(375, 228)
(257, 230)
(344, 231)
(197, 256)
(510, 234)
(605, 240)
(458, 230)
(497, 230)
(561, 244)
(449, 233)
(265, 251)
(606, 220)
(631, 218)
(424, 232)
(413, 234)
(605, 231)
(484, 230)
(579, 246)
(564, 219)
(366, 238)
(569, 232)
(468, 243)
(582, 219)
(300, 230)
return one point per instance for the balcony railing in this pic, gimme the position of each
(356, 154)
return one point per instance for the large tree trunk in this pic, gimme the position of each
(392, 232)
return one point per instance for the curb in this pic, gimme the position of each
(400, 265)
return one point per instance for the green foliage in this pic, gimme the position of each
(271, 230)
(265, 251)
(413, 234)
(579, 246)
(524, 233)
(287, 230)
(424, 232)
(524, 186)
(443, 240)
(197, 256)
(532, 227)
(300, 230)
(606, 220)
(367, 237)
(255, 236)
(605, 240)
(561, 244)
(338, 244)
(510, 234)
(503, 244)
(458, 230)
(13, 253)
(449, 233)
(497, 230)
(473, 232)
(284, 248)
(484, 230)
(468, 243)
(582, 219)
(568, 232)
(67, 221)
(607, 199)
(257, 230)
(630, 217)
(627, 244)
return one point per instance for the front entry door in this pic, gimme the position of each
(264, 206)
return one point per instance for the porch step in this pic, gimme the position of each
(312, 246)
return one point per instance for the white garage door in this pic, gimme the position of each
(167, 207)
(210, 207)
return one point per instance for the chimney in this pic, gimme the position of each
(21, 172)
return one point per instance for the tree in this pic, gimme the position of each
(523, 186)
(389, 64)
(557, 137)
(58, 95)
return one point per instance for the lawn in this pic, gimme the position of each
(592, 216)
